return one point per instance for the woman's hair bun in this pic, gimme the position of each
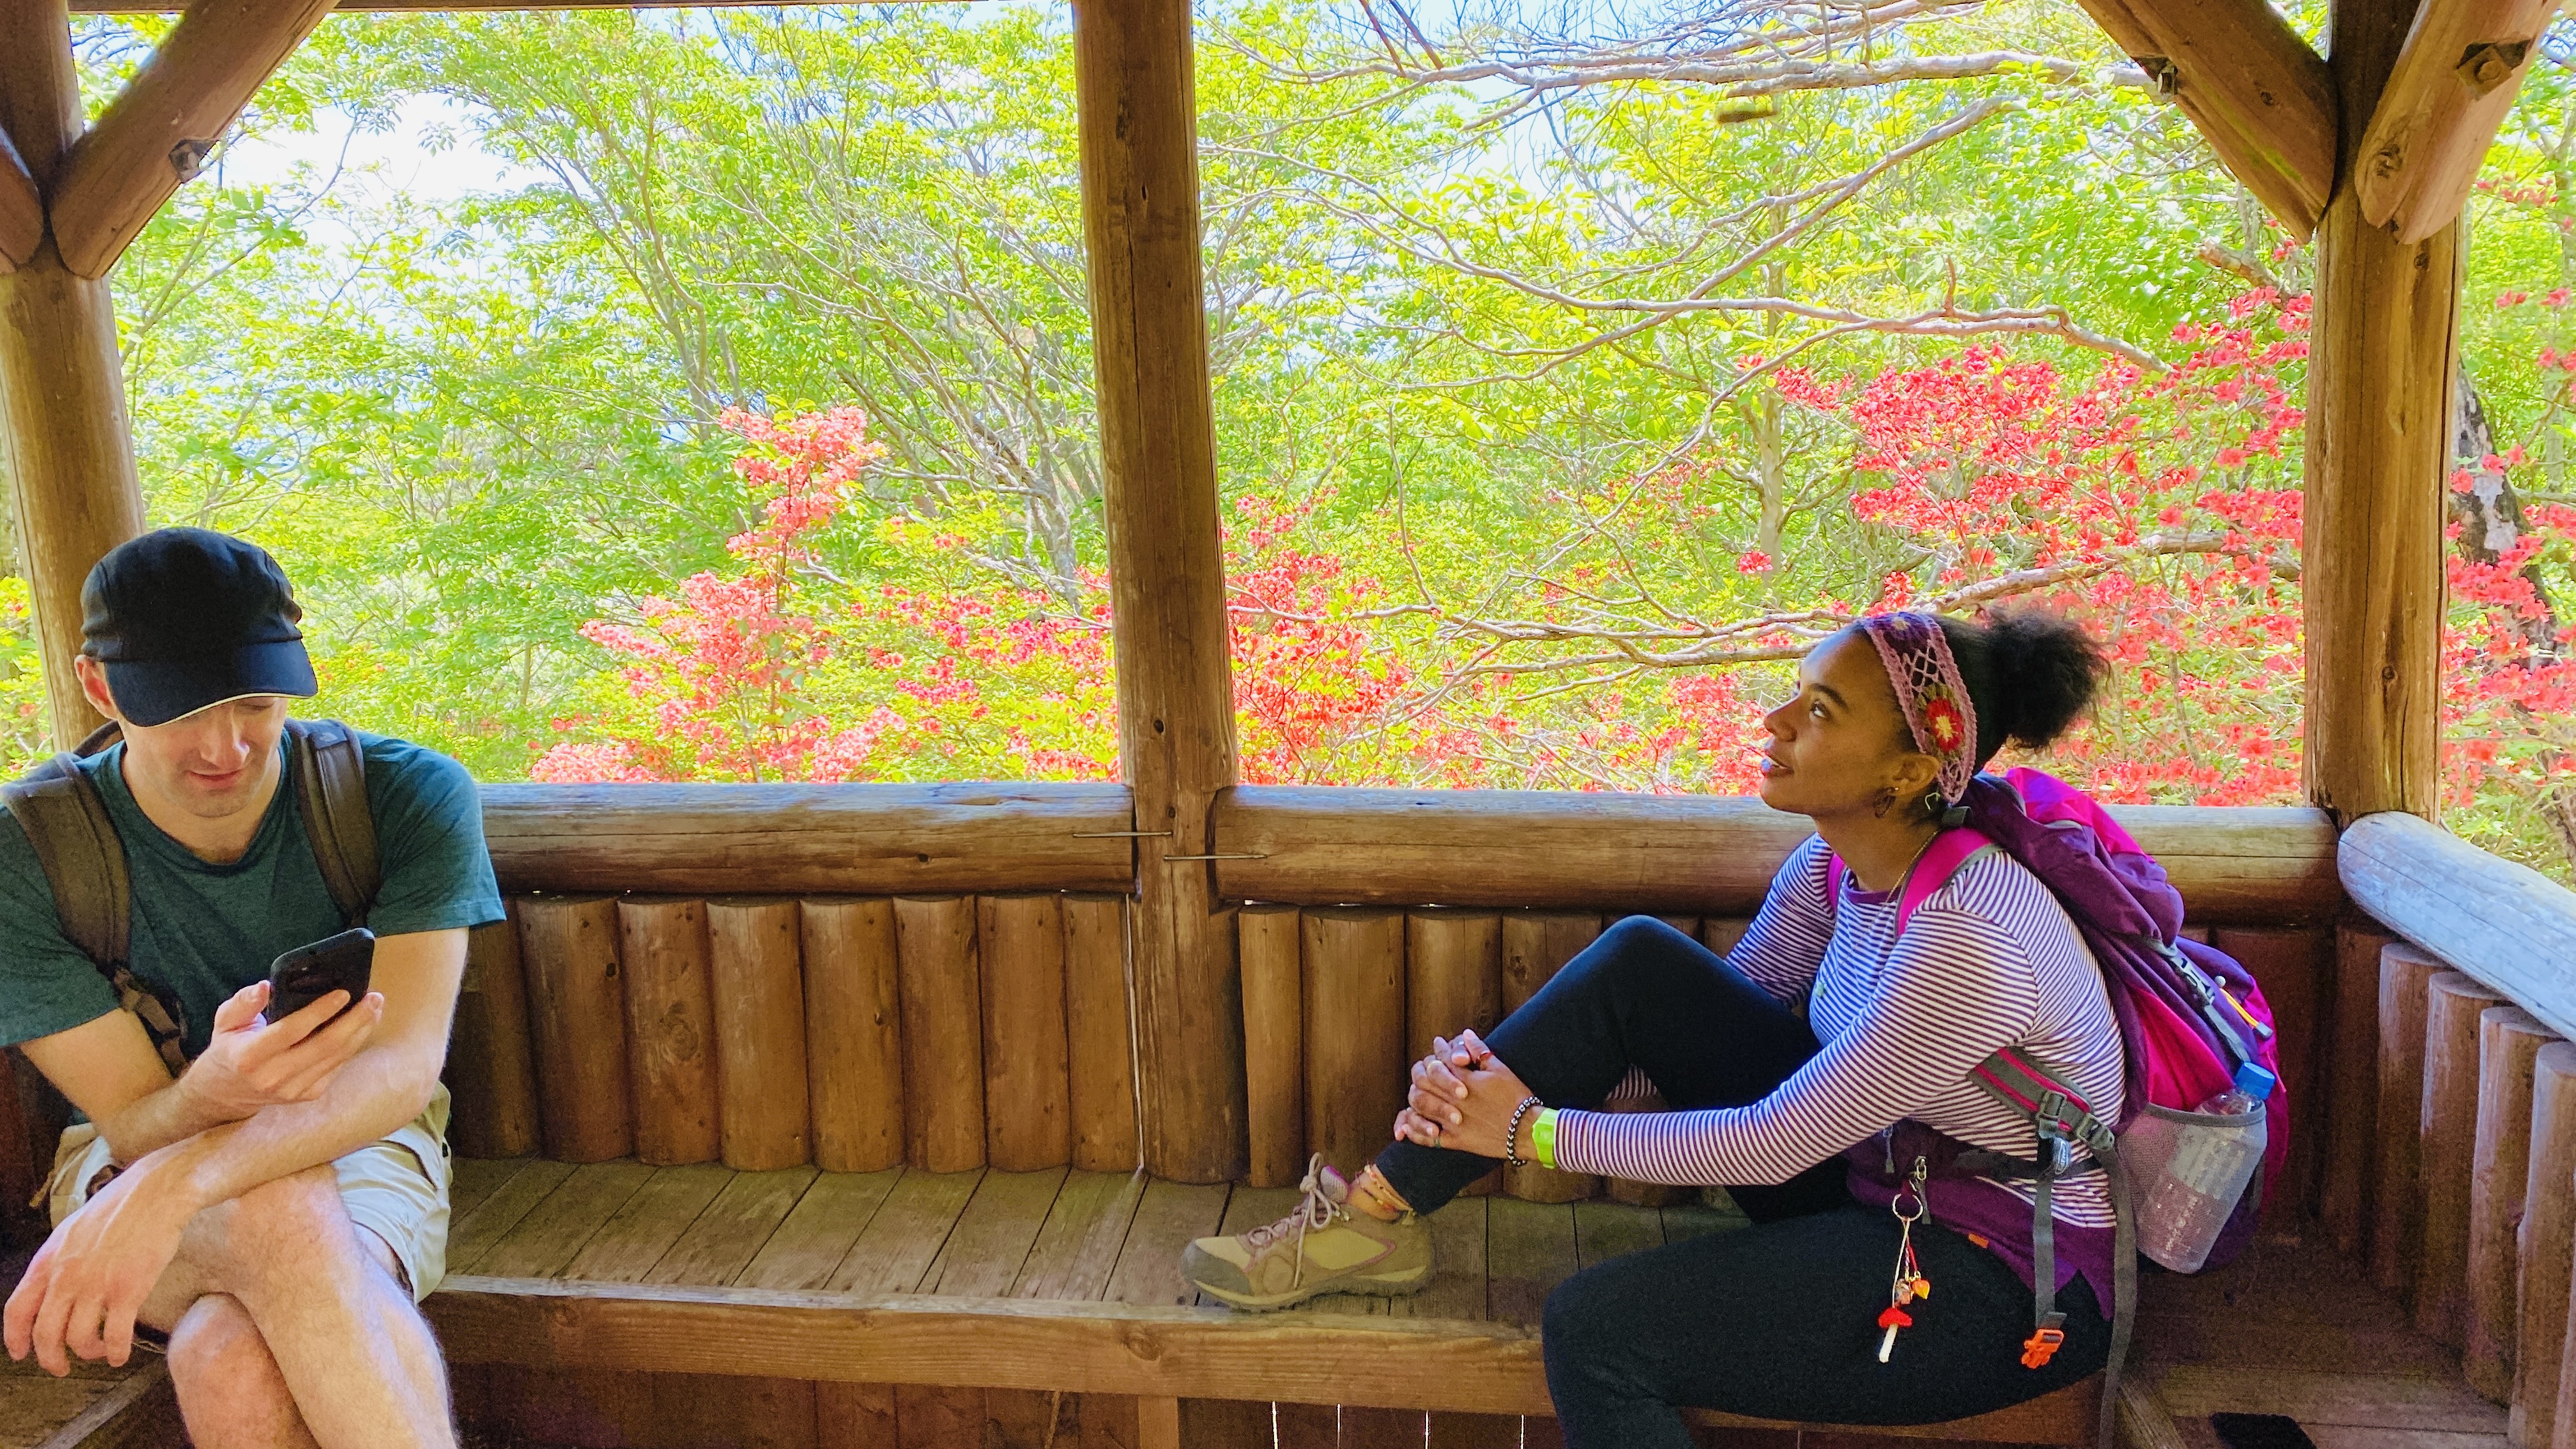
(2030, 673)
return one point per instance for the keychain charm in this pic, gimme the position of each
(1907, 1284)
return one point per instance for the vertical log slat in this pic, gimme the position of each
(1453, 981)
(577, 1019)
(943, 1034)
(853, 1033)
(2449, 1128)
(2382, 355)
(2397, 1226)
(1535, 945)
(68, 445)
(1028, 1085)
(670, 1029)
(1720, 933)
(760, 1033)
(1135, 104)
(2345, 1195)
(2509, 1042)
(1355, 1078)
(1103, 1060)
(1274, 1043)
(2548, 1247)
(2292, 966)
(491, 1069)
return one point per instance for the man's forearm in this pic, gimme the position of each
(172, 1114)
(375, 1093)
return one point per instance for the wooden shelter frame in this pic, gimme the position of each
(2370, 148)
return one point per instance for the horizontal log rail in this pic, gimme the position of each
(1689, 853)
(2505, 924)
(810, 839)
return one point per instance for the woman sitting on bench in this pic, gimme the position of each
(1823, 1029)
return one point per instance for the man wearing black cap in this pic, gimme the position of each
(276, 1209)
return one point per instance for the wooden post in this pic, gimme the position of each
(1135, 101)
(1274, 1036)
(2381, 361)
(1453, 980)
(2449, 1129)
(759, 991)
(2548, 1248)
(1028, 1075)
(2509, 1041)
(2348, 1195)
(577, 1019)
(1535, 945)
(69, 448)
(490, 1068)
(1097, 1025)
(2397, 1227)
(670, 1029)
(853, 1033)
(1355, 1080)
(943, 1034)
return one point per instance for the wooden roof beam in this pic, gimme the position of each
(2253, 87)
(22, 209)
(157, 133)
(2455, 79)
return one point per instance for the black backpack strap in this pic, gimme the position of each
(331, 794)
(84, 863)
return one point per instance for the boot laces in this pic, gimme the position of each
(1315, 1210)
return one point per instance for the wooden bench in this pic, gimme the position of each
(1000, 1303)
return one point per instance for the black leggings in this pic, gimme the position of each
(1779, 1320)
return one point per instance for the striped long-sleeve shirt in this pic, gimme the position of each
(1989, 960)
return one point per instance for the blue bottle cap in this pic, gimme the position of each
(2256, 1081)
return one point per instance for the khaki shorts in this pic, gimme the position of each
(396, 1188)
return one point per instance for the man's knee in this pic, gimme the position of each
(216, 1342)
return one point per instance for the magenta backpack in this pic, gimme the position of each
(2189, 1015)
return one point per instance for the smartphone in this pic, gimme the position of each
(308, 973)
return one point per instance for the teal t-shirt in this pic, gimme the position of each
(206, 931)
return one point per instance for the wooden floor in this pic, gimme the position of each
(2289, 1330)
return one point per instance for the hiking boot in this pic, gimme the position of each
(1323, 1246)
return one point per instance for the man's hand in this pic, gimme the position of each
(86, 1284)
(249, 1065)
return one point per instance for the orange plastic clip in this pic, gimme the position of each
(2041, 1346)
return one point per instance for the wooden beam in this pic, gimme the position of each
(810, 839)
(2453, 82)
(158, 132)
(2260, 96)
(1054, 1344)
(173, 7)
(1136, 106)
(70, 451)
(22, 209)
(1692, 854)
(2381, 364)
(2505, 924)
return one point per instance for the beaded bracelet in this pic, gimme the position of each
(1512, 1134)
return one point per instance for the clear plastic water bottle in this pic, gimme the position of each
(2192, 1168)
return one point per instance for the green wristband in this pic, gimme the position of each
(1543, 1137)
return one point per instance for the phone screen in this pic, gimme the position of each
(308, 973)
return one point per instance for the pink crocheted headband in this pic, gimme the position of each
(1929, 690)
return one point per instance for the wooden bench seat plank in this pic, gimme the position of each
(1530, 1247)
(1169, 1215)
(809, 1246)
(627, 1246)
(1248, 1208)
(993, 1236)
(901, 1241)
(547, 1240)
(1457, 1288)
(730, 1233)
(1078, 1248)
(1606, 1230)
(474, 1233)
(473, 1179)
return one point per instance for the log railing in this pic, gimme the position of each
(2463, 1197)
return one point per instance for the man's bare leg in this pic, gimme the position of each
(230, 1391)
(358, 1363)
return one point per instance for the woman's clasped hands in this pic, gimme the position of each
(1462, 1098)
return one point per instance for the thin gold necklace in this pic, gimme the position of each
(1917, 860)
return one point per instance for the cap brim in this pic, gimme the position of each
(158, 692)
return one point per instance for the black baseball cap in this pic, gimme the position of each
(183, 618)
